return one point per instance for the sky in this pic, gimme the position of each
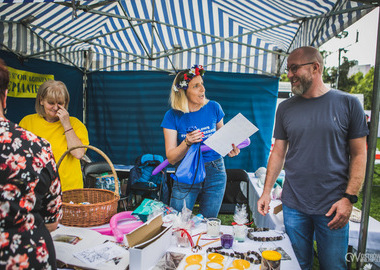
(364, 50)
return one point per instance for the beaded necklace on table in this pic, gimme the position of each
(257, 229)
(262, 239)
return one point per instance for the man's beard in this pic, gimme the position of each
(303, 87)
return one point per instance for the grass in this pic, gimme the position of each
(374, 210)
(226, 219)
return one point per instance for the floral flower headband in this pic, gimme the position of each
(187, 76)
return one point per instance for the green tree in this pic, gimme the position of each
(364, 85)
(346, 83)
(284, 78)
(329, 75)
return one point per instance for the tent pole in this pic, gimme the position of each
(152, 29)
(371, 155)
(87, 63)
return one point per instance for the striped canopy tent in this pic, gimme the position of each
(246, 39)
(243, 36)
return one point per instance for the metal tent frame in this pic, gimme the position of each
(148, 33)
(249, 36)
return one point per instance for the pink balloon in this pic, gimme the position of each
(118, 231)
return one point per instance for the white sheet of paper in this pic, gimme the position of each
(100, 253)
(235, 132)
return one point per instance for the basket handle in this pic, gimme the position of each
(102, 154)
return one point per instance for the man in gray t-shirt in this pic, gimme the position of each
(321, 142)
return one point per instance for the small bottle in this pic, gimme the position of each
(197, 219)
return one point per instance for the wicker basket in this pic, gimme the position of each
(103, 203)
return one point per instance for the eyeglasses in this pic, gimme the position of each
(294, 68)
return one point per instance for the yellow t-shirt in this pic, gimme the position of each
(69, 171)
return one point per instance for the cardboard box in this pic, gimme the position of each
(277, 209)
(148, 244)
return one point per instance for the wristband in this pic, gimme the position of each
(69, 130)
(187, 143)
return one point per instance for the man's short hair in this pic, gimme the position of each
(311, 54)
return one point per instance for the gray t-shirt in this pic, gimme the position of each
(318, 131)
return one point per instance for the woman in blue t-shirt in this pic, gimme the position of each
(191, 108)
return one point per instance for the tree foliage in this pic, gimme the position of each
(364, 85)
(345, 83)
(284, 78)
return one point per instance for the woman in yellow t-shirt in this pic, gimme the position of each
(53, 122)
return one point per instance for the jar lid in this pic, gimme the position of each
(271, 255)
(241, 264)
(196, 266)
(194, 259)
(216, 257)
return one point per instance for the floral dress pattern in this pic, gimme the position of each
(30, 195)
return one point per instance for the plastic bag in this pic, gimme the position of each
(192, 168)
(169, 261)
(182, 227)
(148, 208)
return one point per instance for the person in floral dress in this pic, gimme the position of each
(30, 194)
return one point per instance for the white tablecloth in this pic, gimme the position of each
(276, 222)
(271, 221)
(241, 247)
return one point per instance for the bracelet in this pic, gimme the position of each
(188, 145)
(69, 130)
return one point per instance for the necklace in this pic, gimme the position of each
(262, 239)
(238, 255)
(258, 229)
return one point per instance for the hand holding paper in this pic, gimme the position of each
(235, 131)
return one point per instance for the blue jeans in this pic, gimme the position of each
(210, 191)
(332, 245)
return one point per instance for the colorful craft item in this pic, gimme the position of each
(204, 147)
(118, 231)
(197, 247)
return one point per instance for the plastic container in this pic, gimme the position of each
(182, 238)
(271, 260)
(227, 241)
(240, 232)
(197, 219)
(213, 227)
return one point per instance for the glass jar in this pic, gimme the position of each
(240, 232)
(182, 238)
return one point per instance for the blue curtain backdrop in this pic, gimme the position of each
(125, 110)
(72, 77)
